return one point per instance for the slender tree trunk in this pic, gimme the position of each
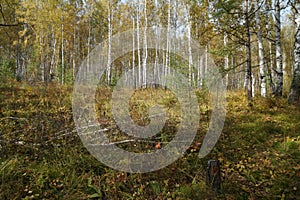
(89, 47)
(167, 64)
(62, 53)
(271, 70)
(248, 55)
(145, 49)
(190, 64)
(175, 27)
(156, 72)
(226, 61)
(262, 59)
(190, 54)
(109, 44)
(74, 51)
(279, 71)
(206, 60)
(18, 71)
(133, 54)
(42, 64)
(53, 57)
(234, 81)
(295, 87)
(253, 85)
(200, 70)
(138, 44)
(20, 62)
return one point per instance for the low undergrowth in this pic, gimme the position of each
(43, 158)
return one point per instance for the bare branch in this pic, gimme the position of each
(9, 25)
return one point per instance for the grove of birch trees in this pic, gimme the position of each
(254, 43)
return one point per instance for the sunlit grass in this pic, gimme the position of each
(43, 158)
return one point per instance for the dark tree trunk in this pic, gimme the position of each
(248, 55)
(213, 175)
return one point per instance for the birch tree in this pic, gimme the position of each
(248, 55)
(279, 70)
(295, 87)
(271, 70)
(234, 81)
(167, 63)
(156, 72)
(226, 61)
(145, 49)
(138, 43)
(234, 18)
(133, 50)
(269, 24)
(190, 54)
(109, 19)
(262, 59)
(62, 49)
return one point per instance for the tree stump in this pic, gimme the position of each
(213, 175)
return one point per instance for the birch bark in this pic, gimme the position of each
(109, 17)
(248, 55)
(279, 71)
(262, 59)
(295, 87)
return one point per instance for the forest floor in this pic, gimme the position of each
(42, 156)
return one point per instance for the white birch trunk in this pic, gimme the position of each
(145, 49)
(271, 69)
(295, 87)
(109, 44)
(133, 54)
(62, 53)
(74, 51)
(200, 70)
(168, 39)
(155, 70)
(138, 44)
(234, 81)
(262, 60)
(226, 66)
(253, 85)
(88, 47)
(279, 72)
(190, 55)
(42, 66)
(52, 62)
(206, 60)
